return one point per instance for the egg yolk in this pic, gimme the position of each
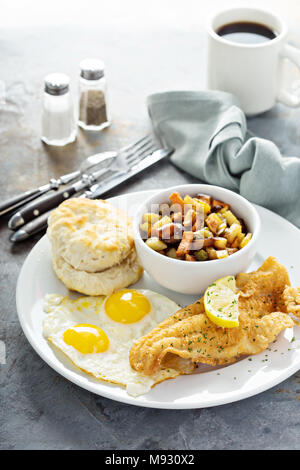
(86, 339)
(127, 306)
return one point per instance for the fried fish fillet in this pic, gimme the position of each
(264, 304)
(291, 296)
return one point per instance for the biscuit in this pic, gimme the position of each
(90, 235)
(99, 283)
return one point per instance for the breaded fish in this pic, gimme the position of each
(291, 296)
(264, 304)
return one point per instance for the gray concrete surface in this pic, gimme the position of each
(146, 50)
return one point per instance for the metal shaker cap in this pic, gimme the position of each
(57, 83)
(92, 69)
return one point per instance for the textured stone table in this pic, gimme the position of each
(147, 49)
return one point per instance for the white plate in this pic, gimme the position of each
(211, 387)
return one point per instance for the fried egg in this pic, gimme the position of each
(97, 333)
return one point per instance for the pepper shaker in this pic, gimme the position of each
(92, 95)
(58, 120)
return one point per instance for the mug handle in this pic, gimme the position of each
(284, 96)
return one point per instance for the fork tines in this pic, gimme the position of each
(144, 140)
(146, 147)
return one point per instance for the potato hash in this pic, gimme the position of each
(196, 228)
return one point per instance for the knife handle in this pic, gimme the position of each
(36, 208)
(38, 224)
(17, 201)
(33, 227)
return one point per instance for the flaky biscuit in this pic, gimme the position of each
(90, 235)
(100, 283)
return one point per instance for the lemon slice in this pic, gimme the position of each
(221, 302)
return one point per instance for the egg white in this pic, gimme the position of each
(113, 364)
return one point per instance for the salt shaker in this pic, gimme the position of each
(92, 95)
(58, 120)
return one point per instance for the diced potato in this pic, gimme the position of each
(197, 204)
(218, 205)
(163, 221)
(232, 232)
(175, 198)
(199, 221)
(145, 228)
(177, 217)
(246, 240)
(213, 221)
(203, 233)
(205, 198)
(220, 243)
(230, 218)
(189, 200)
(222, 211)
(231, 251)
(169, 233)
(190, 258)
(212, 253)
(208, 242)
(164, 209)
(197, 226)
(221, 229)
(222, 217)
(156, 244)
(240, 236)
(202, 205)
(185, 244)
(201, 255)
(222, 254)
(200, 243)
(172, 253)
(235, 243)
(189, 218)
(151, 218)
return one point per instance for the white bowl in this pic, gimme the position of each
(189, 277)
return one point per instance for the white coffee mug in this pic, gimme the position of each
(252, 72)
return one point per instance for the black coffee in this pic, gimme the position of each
(246, 33)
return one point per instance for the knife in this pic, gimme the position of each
(38, 207)
(95, 191)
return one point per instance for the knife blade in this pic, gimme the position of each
(97, 190)
(115, 180)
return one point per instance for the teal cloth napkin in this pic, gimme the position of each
(208, 131)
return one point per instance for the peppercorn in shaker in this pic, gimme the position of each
(58, 120)
(92, 95)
